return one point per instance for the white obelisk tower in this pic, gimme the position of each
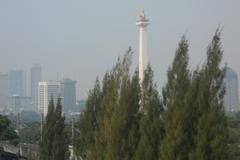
(142, 23)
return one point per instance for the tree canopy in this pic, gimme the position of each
(54, 144)
(124, 119)
(7, 133)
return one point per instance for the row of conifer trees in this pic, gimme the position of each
(125, 121)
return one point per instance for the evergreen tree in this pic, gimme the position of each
(151, 125)
(110, 143)
(178, 139)
(89, 121)
(212, 133)
(130, 99)
(54, 144)
(125, 117)
(46, 144)
(189, 124)
(60, 139)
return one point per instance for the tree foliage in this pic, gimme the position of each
(150, 124)
(7, 133)
(89, 120)
(212, 133)
(234, 136)
(126, 120)
(54, 144)
(176, 143)
(31, 134)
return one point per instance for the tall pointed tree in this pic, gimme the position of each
(60, 139)
(89, 121)
(151, 126)
(177, 141)
(54, 144)
(109, 141)
(117, 135)
(212, 134)
(124, 118)
(46, 145)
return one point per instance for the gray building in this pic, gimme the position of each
(36, 76)
(68, 87)
(231, 99)
(17, 83)
(17, 103)
(4, 91)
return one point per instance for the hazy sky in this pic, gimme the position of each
(82, 39)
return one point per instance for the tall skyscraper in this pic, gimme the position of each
(142, 23)
(4, 90)
(46, 90)
(69, 95)
(36, 76)
(231, 99)
(17, 83)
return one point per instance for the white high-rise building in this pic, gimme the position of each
(231, 99)
(142, 23)
(46, 90)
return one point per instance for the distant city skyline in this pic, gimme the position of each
(14, 98)
(81, 40)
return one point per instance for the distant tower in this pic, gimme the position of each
(4, 91)
(142, 23)
(36, 76)
(231, 100)
(68, 90)
(17, 83)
